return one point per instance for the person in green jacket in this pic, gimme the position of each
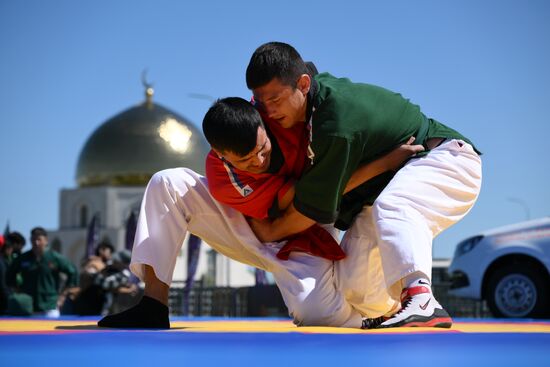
(40, 269)
(392, 219)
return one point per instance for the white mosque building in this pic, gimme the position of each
(113, 169)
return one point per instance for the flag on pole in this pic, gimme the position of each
(92, 239)
(131, 225)
(7, 229)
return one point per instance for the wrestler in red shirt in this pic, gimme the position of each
(260, 195)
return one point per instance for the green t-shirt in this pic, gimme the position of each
(41, 277)
(353, 124)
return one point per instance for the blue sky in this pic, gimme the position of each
(481, 67)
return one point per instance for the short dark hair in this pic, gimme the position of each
(311, 68)
(231, 125)
(38, 231)
(15, 238)
(274, 60)
(102, 245)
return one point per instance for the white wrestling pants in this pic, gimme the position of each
(177, 201)
(393, 238)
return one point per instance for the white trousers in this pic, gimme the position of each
(385, 243)
(177, 201)
(393, 238)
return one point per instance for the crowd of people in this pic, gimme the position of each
(43, 282)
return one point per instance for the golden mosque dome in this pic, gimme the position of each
(130, 147)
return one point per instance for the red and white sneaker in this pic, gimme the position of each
(419, 308)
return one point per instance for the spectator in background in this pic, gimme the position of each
(14, 304)
(105, 251)
(40, 270)
(105, 284)
(88, 298)
(116, 280)
(4, 290)
(17, 242)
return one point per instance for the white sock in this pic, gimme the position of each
(416, 279)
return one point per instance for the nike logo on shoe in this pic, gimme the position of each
(424, 306)
(420, 281)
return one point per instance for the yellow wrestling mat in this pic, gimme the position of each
(30, 326)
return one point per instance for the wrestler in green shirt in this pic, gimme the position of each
(353, 124)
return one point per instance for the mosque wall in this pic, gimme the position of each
(114, 205)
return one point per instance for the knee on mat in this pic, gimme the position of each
(315, 313)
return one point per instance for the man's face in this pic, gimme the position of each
(17, 248)
(284, 103)
(8, 250)
(105, 253)
(257, 161)
(39, 242)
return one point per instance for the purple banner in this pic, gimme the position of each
(131, 225)
(93, 236)
(193, 251)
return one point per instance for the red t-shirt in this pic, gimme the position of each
(254, 194)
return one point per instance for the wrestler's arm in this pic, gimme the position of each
(292, 221)
(389, 162)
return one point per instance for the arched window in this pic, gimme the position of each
(83, 216)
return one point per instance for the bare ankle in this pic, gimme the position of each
(154, 288)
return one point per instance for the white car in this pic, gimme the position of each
(509, 267)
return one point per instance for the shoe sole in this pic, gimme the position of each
(440, 322)
(439, 319)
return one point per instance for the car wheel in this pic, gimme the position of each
(517, 290)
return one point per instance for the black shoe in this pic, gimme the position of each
(373, 323)
(147, 314)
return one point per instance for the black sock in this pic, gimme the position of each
(147, 314)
